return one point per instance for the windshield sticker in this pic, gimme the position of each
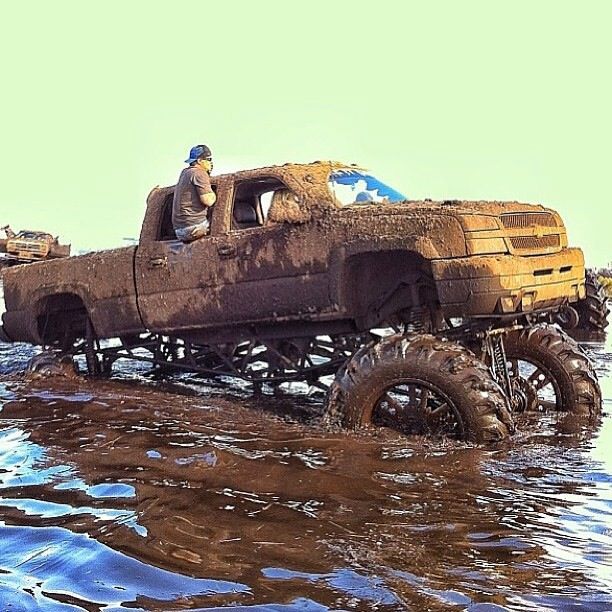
(356, 187)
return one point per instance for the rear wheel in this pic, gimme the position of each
(419, 385)
(51, 363)
(550, 363)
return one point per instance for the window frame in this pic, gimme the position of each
(271, 179)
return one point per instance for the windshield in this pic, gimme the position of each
(357, 187)
(32, 235)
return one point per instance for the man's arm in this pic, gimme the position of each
(208, 199)
(201, 182)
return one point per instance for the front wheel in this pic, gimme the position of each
(419, 385)
(551, 364)
(593, 309)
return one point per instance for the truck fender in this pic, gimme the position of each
(420, 248)
(43, 294)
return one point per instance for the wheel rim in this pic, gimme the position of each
(418, 407)
(525, 397)
(540, 381)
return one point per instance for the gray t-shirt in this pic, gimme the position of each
(187, 208)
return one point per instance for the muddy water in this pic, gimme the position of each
(134, 494)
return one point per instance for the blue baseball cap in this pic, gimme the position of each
(198, 152)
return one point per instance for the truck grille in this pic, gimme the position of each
(528, 219)
(29, 247)
(533, 243)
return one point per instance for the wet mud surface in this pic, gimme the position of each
(135, 494)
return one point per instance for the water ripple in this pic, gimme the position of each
(136, 494)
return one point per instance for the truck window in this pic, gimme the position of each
(166, 229)
(353, 187)
(252, 201)
(266, 202)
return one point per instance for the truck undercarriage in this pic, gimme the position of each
(516, 364)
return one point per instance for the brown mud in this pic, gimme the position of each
(137, 494)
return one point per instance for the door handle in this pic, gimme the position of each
(227, 250)
(158, 262)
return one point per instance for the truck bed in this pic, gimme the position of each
(104, 281)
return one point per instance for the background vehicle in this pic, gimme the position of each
(303, 266)
(29, 246)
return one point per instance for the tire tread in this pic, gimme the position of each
(482, 404)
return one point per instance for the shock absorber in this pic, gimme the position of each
(417, 321)
(494, 346)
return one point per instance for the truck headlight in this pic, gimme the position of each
(485, 246)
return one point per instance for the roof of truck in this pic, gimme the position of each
(313, 168)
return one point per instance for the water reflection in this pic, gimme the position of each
(48, 565)
(118, 494)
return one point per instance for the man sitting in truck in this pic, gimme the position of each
(193, 196)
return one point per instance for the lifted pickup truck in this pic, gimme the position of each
(303, 263)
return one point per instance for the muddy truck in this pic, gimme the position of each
(29, 246)
(428, 317)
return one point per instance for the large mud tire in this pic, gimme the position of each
(51, 363)
(593, 309)
(452, 371)
(562, 361)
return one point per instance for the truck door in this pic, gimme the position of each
(176, 283)
(279, 269)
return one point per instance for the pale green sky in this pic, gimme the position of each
(473, 99)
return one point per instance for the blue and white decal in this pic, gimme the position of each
(351, 186)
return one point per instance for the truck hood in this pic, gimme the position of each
(472, 215)
(450, 207)
(488, 227)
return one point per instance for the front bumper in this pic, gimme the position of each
(506, 284)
